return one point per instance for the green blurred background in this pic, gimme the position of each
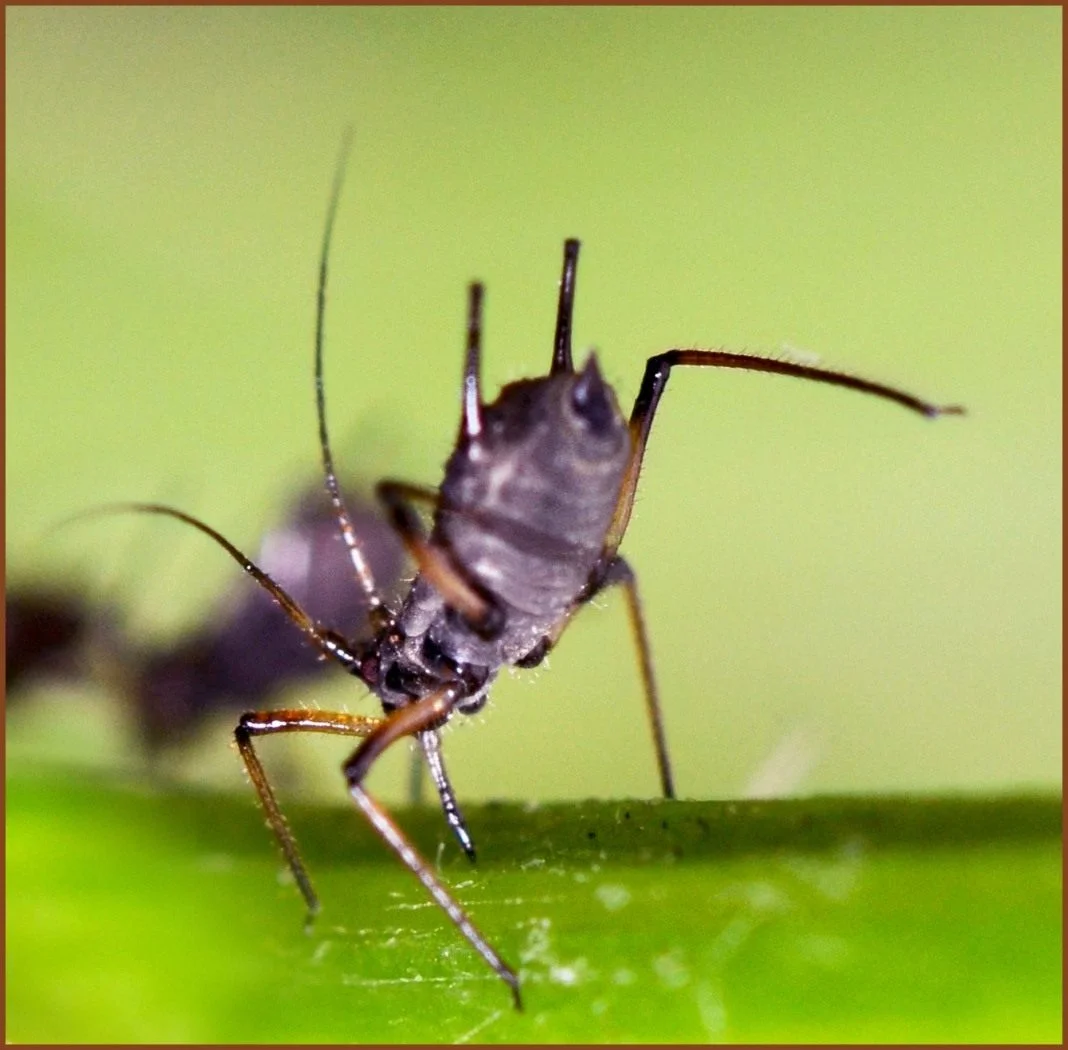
(836, 590)
(871, 597)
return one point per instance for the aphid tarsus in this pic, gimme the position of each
(527, 523)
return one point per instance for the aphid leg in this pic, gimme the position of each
(429, 754)
(562, 338)
(434, 562)
(416, 718)
(619, 573)
(658, 369)
(264, 723)
(431, 745)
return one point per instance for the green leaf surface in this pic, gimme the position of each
(142, 914)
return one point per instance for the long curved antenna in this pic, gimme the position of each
(375, 607)
(327, 642)
(562, 339)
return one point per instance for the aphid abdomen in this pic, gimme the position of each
(526, 506)
(526, 569)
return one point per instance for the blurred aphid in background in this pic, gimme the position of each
(48, 632)
(242, 653)
(246, 651)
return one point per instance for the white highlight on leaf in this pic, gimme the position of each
(835, 879)
(540, 961)
(355, 980)
(784, 770)
(712, 1010)
(571, 974)
(671, 969)
(730, 939)
(480, 1027)
(612, 895)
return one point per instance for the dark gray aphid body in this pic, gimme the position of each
(524, 508)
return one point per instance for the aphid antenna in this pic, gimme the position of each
(362, 569)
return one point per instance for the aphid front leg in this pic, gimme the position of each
(265, 723)
(420, 716)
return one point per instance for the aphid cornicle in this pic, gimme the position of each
(527, 523)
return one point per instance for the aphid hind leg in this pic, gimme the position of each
(654, 382)
(265, 723)
(425, 714)
(620, 574)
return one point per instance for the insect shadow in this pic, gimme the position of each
(526, 529)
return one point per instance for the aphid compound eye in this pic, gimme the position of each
(592, 400)
(539, 540)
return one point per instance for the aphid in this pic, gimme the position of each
(527, 524)
(47, 632)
